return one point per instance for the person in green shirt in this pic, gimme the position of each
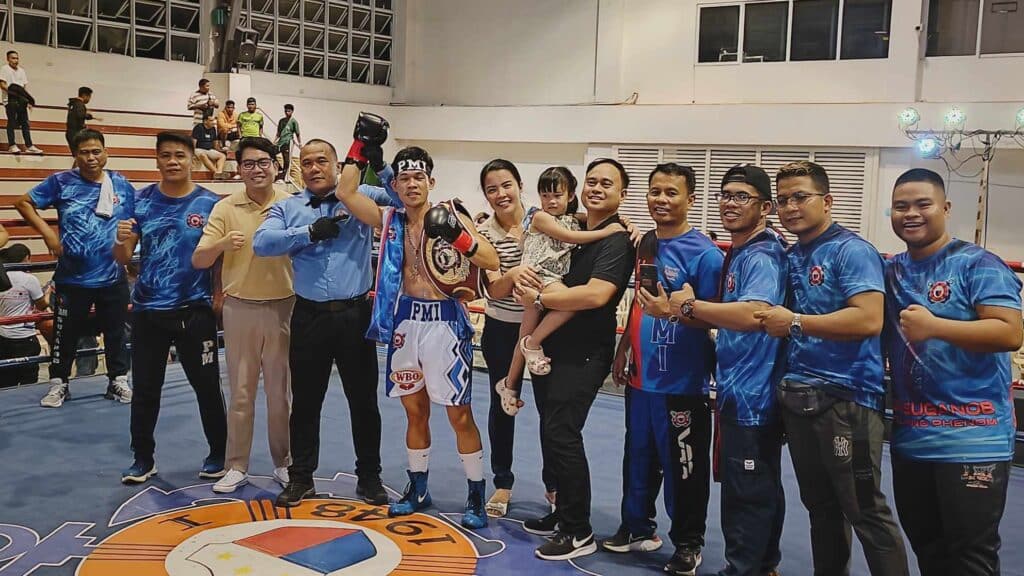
(250, 122)
(287, 129)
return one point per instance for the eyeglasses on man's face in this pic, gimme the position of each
(741, 198)
(251, 164)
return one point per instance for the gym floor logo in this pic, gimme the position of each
(193, 532)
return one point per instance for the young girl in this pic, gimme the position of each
(550, 234)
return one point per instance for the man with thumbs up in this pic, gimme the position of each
(330, 254)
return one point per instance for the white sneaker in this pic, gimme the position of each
(14, 149)
(281, 475)
(118, 390)
(34, 150)
(57, 395)
(231, 481)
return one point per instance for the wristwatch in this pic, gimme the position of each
(687, 308)
(796, 329)
(538, 304)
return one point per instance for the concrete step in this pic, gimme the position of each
(43, 138)
(60, 126)
(62, 150)
(151, 120)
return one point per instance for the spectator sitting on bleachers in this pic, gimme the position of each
(204, 138)
(227, 126)
(19, 340)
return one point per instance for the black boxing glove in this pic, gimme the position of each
(374, 154)
(370, 130)
(324, 228)
(438, 222)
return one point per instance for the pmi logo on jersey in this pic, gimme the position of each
(816, 276)
(938, 292)
(406, 379)
(320, 537)
(195, 220)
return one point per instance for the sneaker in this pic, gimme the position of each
(563, 546)
(543, 526)
(475, 516)
(34, 150)
(118, 390)
(372, 491)
(14, 149)
(416, 497)
(212, 468)
(623, 541)
(281, 476)
(57, 394)
(231, 481)
(685, 561)
(236, 177)
(293, 494)
(140, 471)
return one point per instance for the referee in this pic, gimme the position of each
(330, 254)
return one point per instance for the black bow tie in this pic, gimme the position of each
(315, 201)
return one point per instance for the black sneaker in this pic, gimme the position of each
(685, 561)
(563, 546)
(372, 491)
(543, 526)
(623, 541)
(293, 494)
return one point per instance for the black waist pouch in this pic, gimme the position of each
(803, 399)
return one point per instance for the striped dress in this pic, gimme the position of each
(510, 253)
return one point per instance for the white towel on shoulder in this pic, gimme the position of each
(105, 205)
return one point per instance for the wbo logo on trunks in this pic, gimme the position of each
(406, 379)
(192, 531)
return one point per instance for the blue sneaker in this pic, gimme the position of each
(475, 517)
(416, 497)
(213, 468)
(140, 471)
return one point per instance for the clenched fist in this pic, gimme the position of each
(126, 230)
(233, 241)
(917, 323)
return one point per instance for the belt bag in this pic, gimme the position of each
(804, 399)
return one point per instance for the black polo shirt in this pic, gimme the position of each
(591, 331)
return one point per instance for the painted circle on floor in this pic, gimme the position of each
(320, 537)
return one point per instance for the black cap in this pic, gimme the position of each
(250, 100)
(752, 175)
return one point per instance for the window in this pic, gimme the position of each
(815, 30)
(954, 27)
(31, 28)
(719, 34)
(807, 29)
(866, 29)
(764, 32)
(346, 40)
(74, 34)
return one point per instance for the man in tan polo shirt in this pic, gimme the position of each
(258, 300)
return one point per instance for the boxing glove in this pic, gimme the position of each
(375, 156)
(438, 222)
(370, 130)
(324, 228)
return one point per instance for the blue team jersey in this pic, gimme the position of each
(169, 231)
(746, 360)
(823, 275)
(949, 404)
(87, 239)
(668, 357)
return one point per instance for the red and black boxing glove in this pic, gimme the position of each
(439, 222)
(369, 134)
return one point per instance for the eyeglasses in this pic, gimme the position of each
(263, 163)
(741, 198)
(798, 199)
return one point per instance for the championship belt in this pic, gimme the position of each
(449, 270)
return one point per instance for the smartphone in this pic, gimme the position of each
(649, 278)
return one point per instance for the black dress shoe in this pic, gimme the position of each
(372, 491)
(293, 494)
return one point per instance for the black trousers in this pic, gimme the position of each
(569, 391)
(71, 305)
(193, 332)
(753, 500)
(19, 348)
(323, 335)
(951, 514)
(17, 115)
(286, 153)
(837, 458)
(498, 341)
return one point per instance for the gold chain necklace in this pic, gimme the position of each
(415, 246)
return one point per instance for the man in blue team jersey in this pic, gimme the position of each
(171, 304)
(89, 202)
(832, 392)
(953, 316)
(749, 447)
(667, 365)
